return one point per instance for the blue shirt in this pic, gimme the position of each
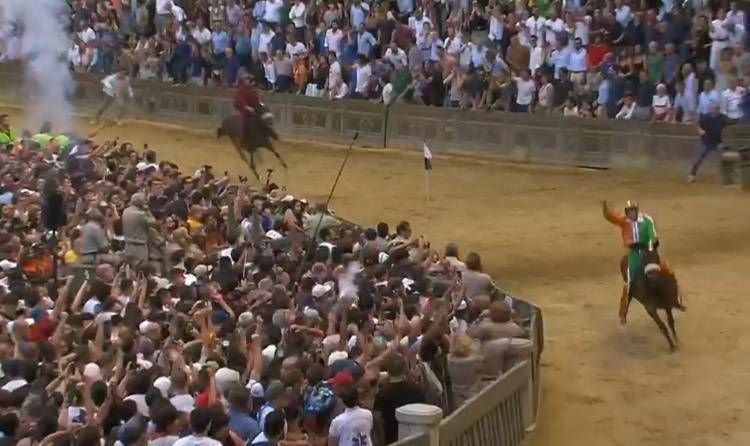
(233, 69)
(365, 42)
(671, 63)
(560, 59)
(219, 41)
(358, 13)
(706, 99)
(242, 45)
(243, 425)
(603, 92)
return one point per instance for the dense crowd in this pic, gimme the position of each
(196, 309)
(622, 59)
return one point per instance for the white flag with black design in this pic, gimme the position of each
(427, 156)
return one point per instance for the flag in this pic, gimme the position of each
(427, 156)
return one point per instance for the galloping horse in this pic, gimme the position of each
(261, 135)
(656, 289)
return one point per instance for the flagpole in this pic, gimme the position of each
(427, 183)
(427, 154)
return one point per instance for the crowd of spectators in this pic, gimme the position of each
(192, 309)
(622, 59)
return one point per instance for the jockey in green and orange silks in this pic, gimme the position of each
(638, 233)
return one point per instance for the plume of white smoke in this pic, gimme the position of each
(348, 289)
(37, 29)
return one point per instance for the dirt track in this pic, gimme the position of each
(541, 235)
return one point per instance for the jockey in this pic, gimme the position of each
(246, 101)
(638, 233)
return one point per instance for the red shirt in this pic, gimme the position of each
(246, 97)
(596, 53)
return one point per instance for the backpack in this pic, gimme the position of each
(320, 400)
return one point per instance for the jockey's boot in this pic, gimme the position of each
(624, 302)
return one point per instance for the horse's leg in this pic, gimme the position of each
(670, 321)
(242, 153)
(270, 147)
(252, 165)
(655, 316)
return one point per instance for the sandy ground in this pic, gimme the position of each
(541, 235)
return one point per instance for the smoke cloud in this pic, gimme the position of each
(34, 31)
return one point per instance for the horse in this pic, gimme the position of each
(656, 289)
(260, 135)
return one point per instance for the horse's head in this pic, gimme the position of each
(651, 265)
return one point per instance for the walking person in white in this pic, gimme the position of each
(720, 37)
(731, 100)
(118, 90)
(354, 426)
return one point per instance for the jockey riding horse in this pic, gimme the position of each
(638, 235)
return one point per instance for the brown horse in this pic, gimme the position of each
(656, 290)
(261, 134)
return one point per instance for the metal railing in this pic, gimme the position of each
(415, 440)
(498, 415)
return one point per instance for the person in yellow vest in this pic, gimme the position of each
(7, 133)
(44, 136)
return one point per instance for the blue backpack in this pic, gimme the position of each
(320, 400)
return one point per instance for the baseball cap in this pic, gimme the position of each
(321, 290)
(225, 377)
(341, 379)
(163, 384)
(337, 356)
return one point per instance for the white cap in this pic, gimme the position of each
(256, 389)
(92, 372)
(320, 290)
(246, 318)
(336, 356)
(183, 403)
(269, 353)
(140, 167)
(225, 377)
(311, 313)
(274, 235)
(163, 384)
(287, 198)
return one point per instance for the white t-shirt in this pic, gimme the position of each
(87, 35)
(264, 43)
(395, 57)
(453, 46)
(526, 91)
(334, 74)
(353, 427)
(660, 103)
(363, 78)
(333, 40)
(388, 95)
(202, 36)
(140, 403)
(272, 11)
(582, 29)
(534, 27)
(192, 440)
(92, 306)
(14, 384)
(553, 28)
(341, 91)
(178, 14)
(731, 101)
(163, 7)
(297, 14)
(296, 48)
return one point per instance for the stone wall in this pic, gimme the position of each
(508, 136)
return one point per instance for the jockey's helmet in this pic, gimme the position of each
(631, 209)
